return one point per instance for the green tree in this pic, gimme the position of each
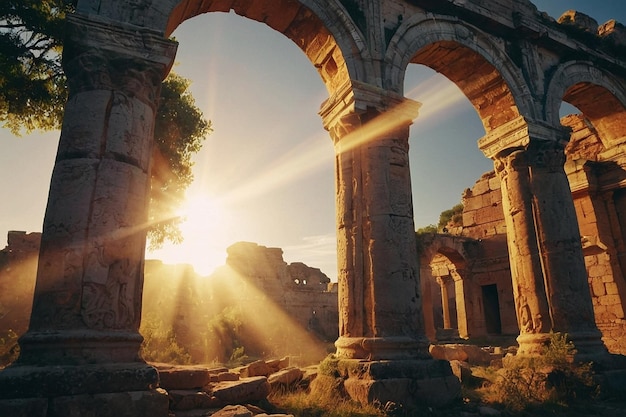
(179, 130)
(32, 84)
(33, 92)
(453, 215)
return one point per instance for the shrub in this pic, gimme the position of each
(553, 377)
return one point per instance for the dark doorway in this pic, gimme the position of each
(491, 307)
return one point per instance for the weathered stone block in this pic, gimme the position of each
(191, 399)
(242, 391)
(285, 377)
(179, 377)
(481, 187)
(257, 368)
(611, 288)
(597, 286)
(123, 404)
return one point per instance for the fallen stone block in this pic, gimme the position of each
(447, 353)
(191, 399)
(243, 391)
(181, 377)
(285, 378)
(257, 368)
(227, 376)
(233, 411)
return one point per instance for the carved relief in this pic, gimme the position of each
(108, 295)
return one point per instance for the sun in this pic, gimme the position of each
(204, 227)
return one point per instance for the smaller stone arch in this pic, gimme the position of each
(444, 271)
(499, 92)
(597, 93)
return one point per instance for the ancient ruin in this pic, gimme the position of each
(479, 248)
(515, 65)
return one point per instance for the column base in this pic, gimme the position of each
(532, 344)
(409, 383)
(588, 345)
(78, 347)
(26, 381)
(153, 403)
(382, 348)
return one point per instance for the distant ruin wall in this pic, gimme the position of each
(254, 275)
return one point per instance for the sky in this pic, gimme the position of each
(266, 173)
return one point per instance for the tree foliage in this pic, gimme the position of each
(33, 92)
(32, 84)
(452, 216)
(179, 130)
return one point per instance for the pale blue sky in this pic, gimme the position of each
(268, 166)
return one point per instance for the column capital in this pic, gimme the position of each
(518, 134)
(356, 103)
(99, 56)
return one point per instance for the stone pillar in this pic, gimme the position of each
(427, 302)
(559, 241)
(445, 302)
(382, 346)
(83, 336)
(461, 296)
(547, 265)
(531, 303)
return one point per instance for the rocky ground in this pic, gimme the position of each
(199, 391)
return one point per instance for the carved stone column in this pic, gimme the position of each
(83, 335)
(547, 265)
(381, 330)
(559, 241)
(531, 303)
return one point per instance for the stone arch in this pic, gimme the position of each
(600, 97)
(324, 31)
(444, 274)
(477, 64)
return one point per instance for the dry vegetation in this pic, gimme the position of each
(551, 385)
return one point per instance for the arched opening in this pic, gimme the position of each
(471, 98)
(596, 170)
(265, 175)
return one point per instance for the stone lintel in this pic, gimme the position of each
(356, 97)
(153, 403)
(518, 134)
(406, 382)
(139, 43)
(26, 381)
(382, 348)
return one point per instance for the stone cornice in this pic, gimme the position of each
(355, 98)
(146, 45)
(517, 134)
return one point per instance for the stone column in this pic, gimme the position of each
(381, 328)
(427, 303)
(445, 302)
(461, 296)
(531, 303)
(83, 335)
(547, 265)
(559, 241)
